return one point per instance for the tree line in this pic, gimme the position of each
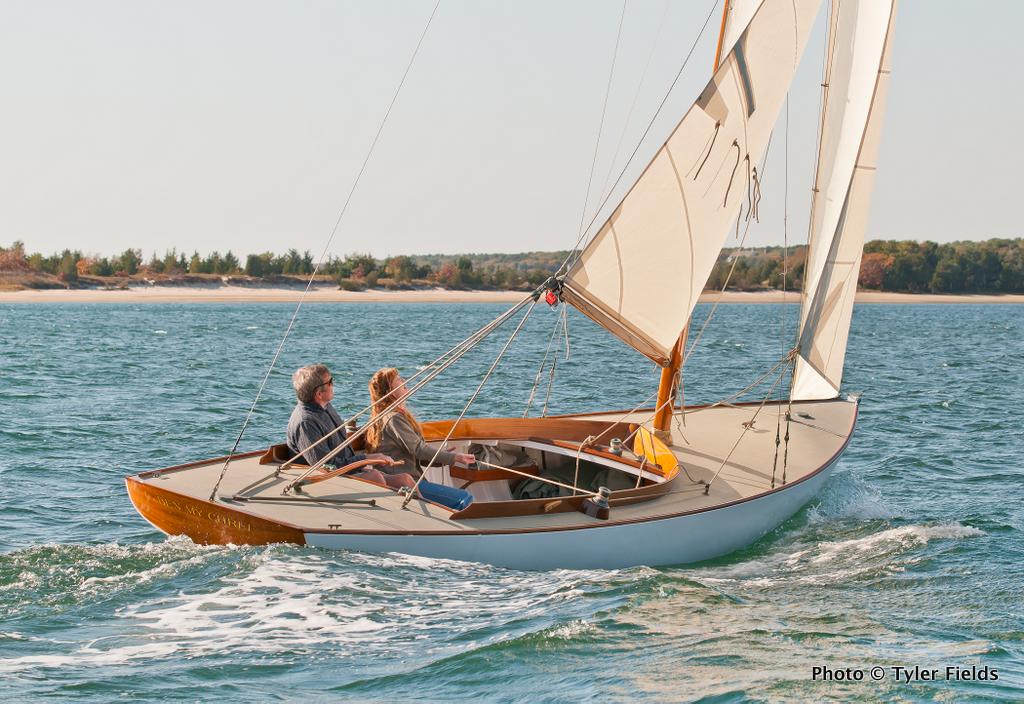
(992, 266)
(905, 266)
(354, 271)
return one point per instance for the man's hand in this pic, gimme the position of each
(381, 458)
(465, 458)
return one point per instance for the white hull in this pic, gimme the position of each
(669, 541)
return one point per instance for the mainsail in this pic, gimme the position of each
(857, 79)
(641, 275)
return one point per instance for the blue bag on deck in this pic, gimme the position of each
(455, 499)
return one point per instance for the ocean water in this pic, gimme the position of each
(911, 556)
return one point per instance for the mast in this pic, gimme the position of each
(721, 36)
(668, 386)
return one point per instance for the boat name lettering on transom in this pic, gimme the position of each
(228, 521)
(197, 512)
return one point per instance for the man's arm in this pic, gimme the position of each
(348, 455)
(308, 433)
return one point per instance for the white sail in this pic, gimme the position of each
(641, 275)
(860, 38)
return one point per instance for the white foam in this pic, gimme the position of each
(281, 599)
(850, 497)
(26, 579)
(828, 562)
(571, 630)
(894, 538)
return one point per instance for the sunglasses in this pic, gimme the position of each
(329, 382)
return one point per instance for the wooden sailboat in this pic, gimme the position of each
(670, 499)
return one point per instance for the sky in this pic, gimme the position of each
(241, 125)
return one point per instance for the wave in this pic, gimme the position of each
(831, 561)
(59, 577)
(282, 599)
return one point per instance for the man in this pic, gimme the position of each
(314, 417)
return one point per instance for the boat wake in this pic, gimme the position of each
(61, 577)
(819, 562)
(286, 602)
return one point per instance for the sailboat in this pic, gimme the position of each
(660, 484)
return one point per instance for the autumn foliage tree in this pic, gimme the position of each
(873, 268)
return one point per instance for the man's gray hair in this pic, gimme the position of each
(307, 380)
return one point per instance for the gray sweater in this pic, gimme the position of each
(308, 423)
(401, 440)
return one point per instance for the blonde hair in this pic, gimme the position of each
(382, 386)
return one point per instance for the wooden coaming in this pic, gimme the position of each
(490, 475)
(558, 504)
(606, 454)
(522, 429)
(190, 465)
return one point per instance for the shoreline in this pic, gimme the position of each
(330, 294)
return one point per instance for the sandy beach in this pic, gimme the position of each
(325, 294)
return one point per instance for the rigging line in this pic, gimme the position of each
(565, 330)
(710, 148)
(554, 362)
(604, 112)
(757, 196)
(785, 267)
(785, 454)
(636, 95)
(458, 351)
(677, 417)
(551, 385)
(749, 387)
(828, 58)
(725, 200)
(750, 197)
(639, 425)
(359, 433)
(735, 261)
(574, 253)
(323, 255)
(746, 427)
(817, 427)
(778, 428)
(544, 362)
(535, 476)
(785, 227)
(594, 438)
(472, 398)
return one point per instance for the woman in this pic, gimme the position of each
(396, 433)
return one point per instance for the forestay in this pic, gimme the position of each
(857, 80)
(641, 275)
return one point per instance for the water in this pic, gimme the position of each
(911, 556)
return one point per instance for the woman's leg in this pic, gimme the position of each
(372, 475)
(397, 481)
